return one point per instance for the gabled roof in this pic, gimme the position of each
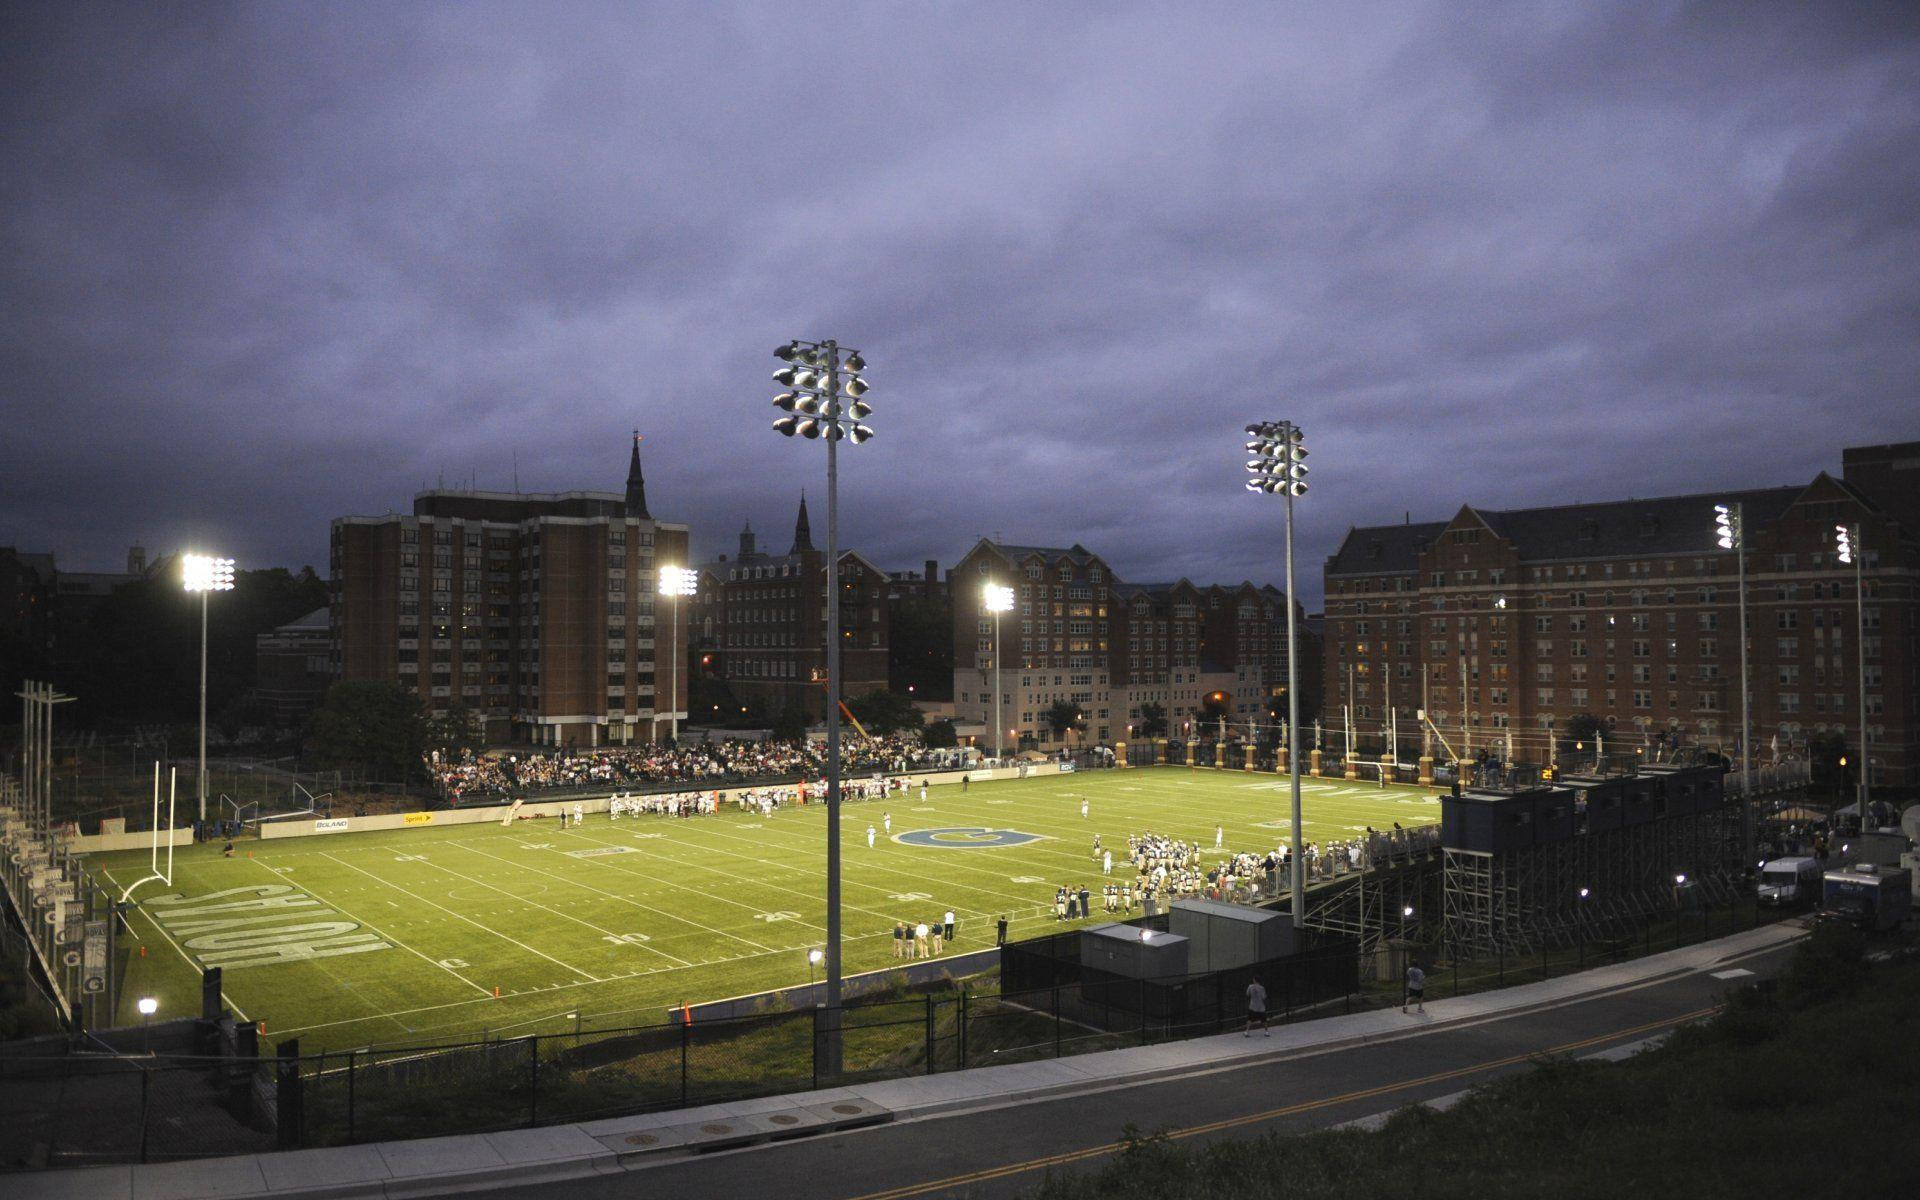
(1611, 529)
(1076, 552)
(1384, 549)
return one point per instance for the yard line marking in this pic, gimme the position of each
(177, 948)
(469, 920)
(556, 912)
(427, 1029)
(917, 876)
(396, 941)
(680, 917)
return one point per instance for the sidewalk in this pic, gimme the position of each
(435, 1166)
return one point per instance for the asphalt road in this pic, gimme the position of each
(1003, 1151)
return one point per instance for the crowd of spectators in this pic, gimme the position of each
(494, 777)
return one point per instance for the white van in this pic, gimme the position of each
(1790, 882)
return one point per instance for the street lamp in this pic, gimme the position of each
(203, 573)
(1730, 534)
(825, 399)
(998, 599)
(675, 582)
(147, 1006)
(1848, 540)
(1279, 467)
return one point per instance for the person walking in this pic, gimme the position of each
(869, 837)
(886, 819)
(1416, 988)
(923, 791)
(1257, 1009)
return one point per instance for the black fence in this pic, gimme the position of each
(85, 1109)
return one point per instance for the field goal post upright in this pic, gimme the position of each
(153, 863)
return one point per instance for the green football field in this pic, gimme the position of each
(349, 940)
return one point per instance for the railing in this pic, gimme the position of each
(87, 1109)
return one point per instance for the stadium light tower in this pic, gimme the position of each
(676, 583)
(1847, 538)
(204, 574)
(1730, 533)
(1278, 466)
(998, 599)
(824, 399)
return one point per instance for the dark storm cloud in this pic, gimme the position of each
(269, 264)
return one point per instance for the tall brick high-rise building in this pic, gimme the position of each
(536, 611)
(1628, 611)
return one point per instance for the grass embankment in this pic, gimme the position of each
(1801, 1088)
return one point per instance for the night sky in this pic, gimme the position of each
(268, 264)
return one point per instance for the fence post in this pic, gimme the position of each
(963, 1027)
(144, 1073)
(1056, 1020)
(1143, 1012)
(686, 1031)
(533, 1091)
(930, 1064)
(353, 1056)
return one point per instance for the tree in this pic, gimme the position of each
(377, 729)
(1153, 720)
(884, 712)
(1214, 709)
(1582, 728)
(1825, 774)
(790, 723)
(920, 646)
(460, 730)
(1064, 718)
(940, 735)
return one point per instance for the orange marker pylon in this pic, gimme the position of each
(496, 993)
(143, 952)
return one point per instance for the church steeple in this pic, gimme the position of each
(746, 540)
(802, 533)
(636, 484)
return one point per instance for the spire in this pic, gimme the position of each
(636, 484)
(746, 540)
(802, 533)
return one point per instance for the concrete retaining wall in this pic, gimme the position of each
(921, 972)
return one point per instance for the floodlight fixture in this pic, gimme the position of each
(998, 598)
(205, 573)
(823, 402)
(148, 1006)
(679, 581)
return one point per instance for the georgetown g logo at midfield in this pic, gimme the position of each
(966, 837)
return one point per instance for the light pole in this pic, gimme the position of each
(998, 599)
(1279, 467)
(823, 400)
(1848, 540)
(675, 583)
(1730, 533)
(203, 573)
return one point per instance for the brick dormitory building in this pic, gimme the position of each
(760, 620)
(536, 611)
(1079, 634)
(1629, 611)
